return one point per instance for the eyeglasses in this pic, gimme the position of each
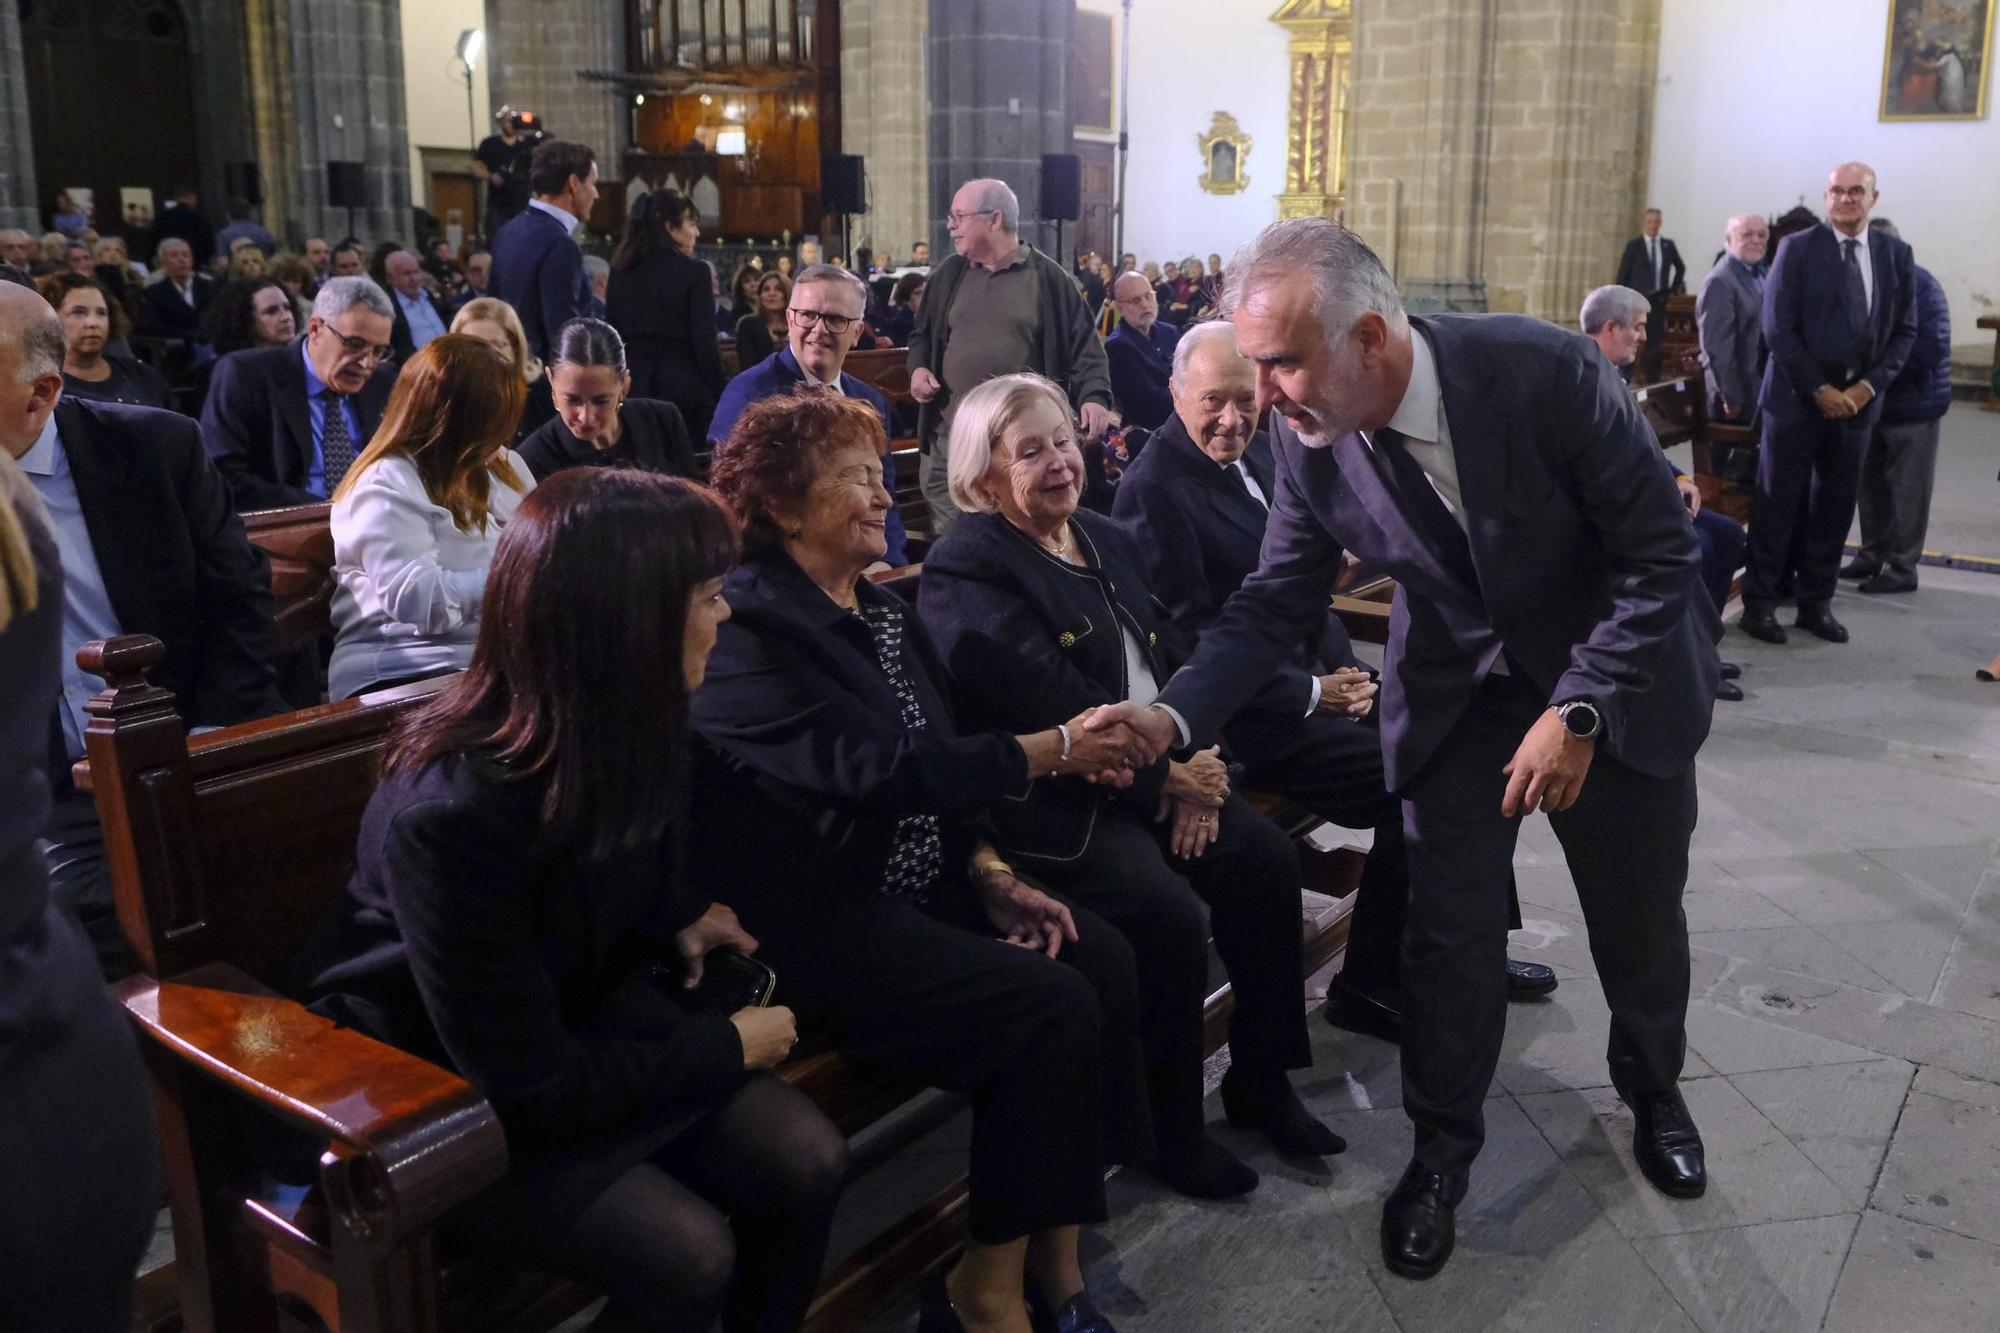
(834, 324)
(360, 347)
(1854, 192)
(958, 219)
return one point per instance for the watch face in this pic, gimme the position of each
(1581, 720)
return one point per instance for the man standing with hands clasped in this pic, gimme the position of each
(1548, 649)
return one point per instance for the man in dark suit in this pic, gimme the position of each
(420, 316)
(181, 219)
(150, 544)
(1652, 264)
(1549, 649)
(283, 424)
(1840, 322)
(171, 307)
(1728, 316)
(537, 265)
(1141, 353)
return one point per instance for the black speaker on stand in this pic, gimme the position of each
(843, 188)
(1062, 192)
(347, 187)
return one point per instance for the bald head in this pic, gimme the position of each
(1747, 237)
(1137, 305)
(1850, 197)
(405, 273)
(31, 361)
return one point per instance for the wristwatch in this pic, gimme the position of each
(1580, 719)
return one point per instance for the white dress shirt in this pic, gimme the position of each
(1420, 420)
(1861, 258)
(562, 215)
(1653, 253)
(1250, 483)
(408, 583)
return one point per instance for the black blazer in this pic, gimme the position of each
(174, 557)
(257, 426)
(1635, 269)
(654, 437)
(469, 936)
(808, 765)
(1807, 324)
(753, 340)
(664, 308)
(538, 270)
(400, 336)
(163, 313)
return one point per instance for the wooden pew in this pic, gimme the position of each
(226, 851)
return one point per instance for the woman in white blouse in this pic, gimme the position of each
(417, 516)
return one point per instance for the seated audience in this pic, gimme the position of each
(597, 421)
(295, 273)
(417, 517)
(319, 254)
(478, 275)
(67, 218)
(150, 545)
(1041, 612)
(743, 290)
(283, 424)
(111, 250)
(420, 316)
(596, 272)
(91, 320)
(518, 912)
(1616, 319)
(78, 259)
(1141, 353)
(494, 323)
(906, 298)
(243, 227)
(823, 321)
(661, 301)
(171, 307)
(350, 259)
(257, 313)
(17, 251)
(872, 882)
(441, 266)
(181, 218)
(49, 250)
(246, 262)
(80, 1194)
(762, 331)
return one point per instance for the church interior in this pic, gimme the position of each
(1839, 905)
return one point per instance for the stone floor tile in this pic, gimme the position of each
(1604, 1287)
(1840, 887)
(1839, 1116)
(1717, 900)
(1555, 937)
(1904, 1275)
(1942, 1170)
(1776, 1277)
(1352, 1306)
(1523, 1199)
(1755, 1173)
(1561, 1042)
(1957, 1088)
(1910, 955)
(1743, 1035)
(1970, 979)
(1806, 950)
(1161, 1245)
(1953, 870)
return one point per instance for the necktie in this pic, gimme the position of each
(1857, 297)
(336, 446)
(1420, 503)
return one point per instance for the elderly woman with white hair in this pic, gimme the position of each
(1041, 611)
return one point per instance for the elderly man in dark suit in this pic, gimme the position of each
(537, 264)
(1548, 649)
(171, 307)
(1728, 316)
(1840, 321)
(150, 544)
(1652, 265)
(419, 317)
(283, 424)
(1141, 353)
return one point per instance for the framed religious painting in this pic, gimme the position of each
(1224, 150)
(1936, 63)
(1093, 71)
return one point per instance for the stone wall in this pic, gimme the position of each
(19, 206)
(882, 118)
(535, 49)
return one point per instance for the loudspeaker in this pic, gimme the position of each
(1062, 187)
(346, 185)
(244, 180)
(842, 186)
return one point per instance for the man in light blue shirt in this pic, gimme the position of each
(419, 317)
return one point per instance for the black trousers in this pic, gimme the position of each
(1626, 842)
(1041, 1048)
(1722, 543)
(1249, 879)
(1808, 474)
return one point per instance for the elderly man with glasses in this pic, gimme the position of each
(282, 424)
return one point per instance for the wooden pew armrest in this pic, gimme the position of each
(408, 1140)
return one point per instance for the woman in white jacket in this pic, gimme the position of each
(417, 517)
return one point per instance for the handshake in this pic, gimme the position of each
(1105, 744)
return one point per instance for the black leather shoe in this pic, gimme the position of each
(1822, 624)
(1666, 1143)
(1271, 1106)
(1858, 568)
(1882, 583)
(1762, 624)
(1417, 1221)
(1354, 1010)
(1079, 1314)
(1528, 981)
(1730, 671)
(1729, 691)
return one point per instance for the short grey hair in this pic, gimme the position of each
(1348, 280)
(1208, 331)
(835, 274)
(41, 349)
(161, 248)
(596, 264)
(1613, 305)
(998, 197)
(981, 420)
(337, 296)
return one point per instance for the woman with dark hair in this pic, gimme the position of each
(519, 910)
(418, 516)
(661, 300)
(906, 298)
(743, 290)
(597, 421)
(92, 319)
(842, 799)
(763, 331)
(257, 312)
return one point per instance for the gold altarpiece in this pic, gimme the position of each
(1322, 57)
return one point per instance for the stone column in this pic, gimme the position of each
(1322, 51)
(346, 82)
(536, 49)
(882, 118)
(999, 100)
(19, 204)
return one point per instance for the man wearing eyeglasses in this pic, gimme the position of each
(822, 322)
(997, 307)
(282, 424)
(1840, 323)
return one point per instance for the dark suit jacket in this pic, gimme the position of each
(1140, 368)
(653, 437)
(174, 558)
(664, 308)
(1635, 268)
(163, 313)
(1728, 313)
(1806, 321)
(539, 271)
(176, 220)
(400, 336)
(812, 765)
(257, 426)
(1587, 564)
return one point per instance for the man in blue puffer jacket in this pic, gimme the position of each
(1896, 471)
